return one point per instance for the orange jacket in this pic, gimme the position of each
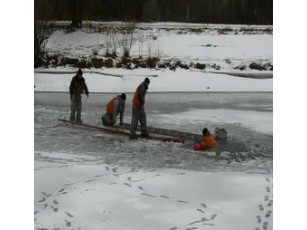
(114, 107)
(210, 141)
(139, 95)
(111, 104)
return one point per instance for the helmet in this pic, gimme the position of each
(79, 72)
(147, 80)
(123, 96)
(205, 130)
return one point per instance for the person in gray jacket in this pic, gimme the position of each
(76, 88)
(114, 107)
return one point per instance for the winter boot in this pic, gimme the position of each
(133, 137)
(145, 134)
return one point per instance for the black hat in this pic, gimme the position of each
(205, 130)
(123, 96)
(147, 80)
(79, 71)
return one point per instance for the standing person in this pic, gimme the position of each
(138, 110)
(114, 107)
(76, 88)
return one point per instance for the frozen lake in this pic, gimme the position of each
(87, 179)
(246, 116)
(174, 102)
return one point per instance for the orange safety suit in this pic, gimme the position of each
(139, 95)
(114, 107)
(110, 105)
(210, 141)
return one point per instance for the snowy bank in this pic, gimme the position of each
(121, 80)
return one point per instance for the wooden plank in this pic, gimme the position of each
(122, 132)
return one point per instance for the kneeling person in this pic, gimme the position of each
(114, 107)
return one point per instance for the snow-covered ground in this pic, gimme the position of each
(17, 174)
(83, 192)
(87, 179)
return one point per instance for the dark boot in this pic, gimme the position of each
(145, 134)
(133, 137)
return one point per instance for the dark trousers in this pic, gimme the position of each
(76, 106)
(107, 119)
(138, 114)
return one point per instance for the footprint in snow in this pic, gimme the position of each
(268, 214)
(270, 203)
(100, 175)
(129, 185)
(258, 219)
(208, 224)
(68, 224)
(163, 196)
(149, 195)
(199, 221)
(140, 188)
(69, 184)
(261, 208)
(200, 210)
(193, 228)
(182, 201)
(69, 215)
(55, 202)
(42, 200)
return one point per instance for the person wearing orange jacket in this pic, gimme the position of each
(208, 141)
(114, 107)
(138, 110)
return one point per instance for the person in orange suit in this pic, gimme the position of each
(138, 110)
(114, 107)
(208, 141)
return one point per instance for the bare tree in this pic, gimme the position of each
(44, 11)
(126, 38)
